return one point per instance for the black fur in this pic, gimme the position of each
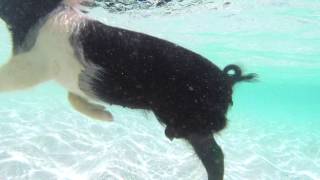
(22, 16)
(187, 93)
(209, 153)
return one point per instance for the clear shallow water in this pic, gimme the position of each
(273, 130)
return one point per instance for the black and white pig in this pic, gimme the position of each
(97, 63)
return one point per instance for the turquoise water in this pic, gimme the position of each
(273, 130)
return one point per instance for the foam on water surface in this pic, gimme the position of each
(273, 131)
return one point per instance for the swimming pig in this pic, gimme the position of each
(94, 62)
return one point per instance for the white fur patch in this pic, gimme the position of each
(54, 41)
(52, 57)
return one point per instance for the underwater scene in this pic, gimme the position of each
(273, 129)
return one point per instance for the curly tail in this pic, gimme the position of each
(237, 74)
